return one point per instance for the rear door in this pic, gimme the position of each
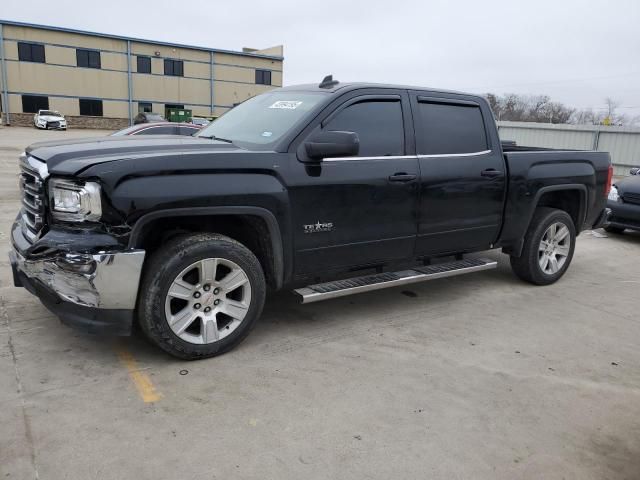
(361, 210)
(462, 181)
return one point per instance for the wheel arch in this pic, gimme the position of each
(270, 253)
(561, 197)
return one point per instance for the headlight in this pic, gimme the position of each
(613, 194)
(74, 202)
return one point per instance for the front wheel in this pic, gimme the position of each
(201, 295)
(548, 247)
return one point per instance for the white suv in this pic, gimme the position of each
(49, 119)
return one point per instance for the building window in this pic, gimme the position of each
(91, 108)
(33, 103)
(263, 77)
(31, 52)
(88, 58)
(173, 67)
(144, 64)
(145, 107)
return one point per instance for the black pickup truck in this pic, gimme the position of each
(327, 189)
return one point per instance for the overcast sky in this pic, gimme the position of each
(577, 51)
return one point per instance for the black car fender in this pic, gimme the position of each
(275, 235)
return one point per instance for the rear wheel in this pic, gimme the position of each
(611, 229)
(548, 247)
(201, 295)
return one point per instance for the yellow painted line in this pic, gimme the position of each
(140, 379)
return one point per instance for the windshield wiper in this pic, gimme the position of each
(220, 139)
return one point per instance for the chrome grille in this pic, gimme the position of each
(32, 175)
(631, 198)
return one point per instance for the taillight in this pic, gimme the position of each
(607, 187)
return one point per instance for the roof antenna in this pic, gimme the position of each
(328, 82)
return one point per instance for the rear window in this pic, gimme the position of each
(164, 130)
(445, 129)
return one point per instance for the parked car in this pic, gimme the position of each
(624, 202)
(201, 122)
(148, 117)
(49, 119)
(158, 128)
(297, 188)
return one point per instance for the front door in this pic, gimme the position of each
(462, 183)
(362, 210)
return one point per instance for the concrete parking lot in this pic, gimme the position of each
(480, 376)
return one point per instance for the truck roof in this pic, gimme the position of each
(332, 86)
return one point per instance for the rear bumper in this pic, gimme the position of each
(603, 219)
(95, 293)
(624, 215)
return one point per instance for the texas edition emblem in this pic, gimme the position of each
(318, 227)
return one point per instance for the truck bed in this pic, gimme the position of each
(535, 172)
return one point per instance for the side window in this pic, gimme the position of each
(33, 103)
(89, 107)
(263, 77)
(88, 58)
(378, 124)
(449, 128)
(168, 130)
(31, 52)
(174, 68)
(187, 130)
(144, 107)
(144, 64)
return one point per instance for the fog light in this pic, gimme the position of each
(84, 264)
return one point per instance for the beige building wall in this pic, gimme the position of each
(168, 89)
(44, 35)
(64, 83)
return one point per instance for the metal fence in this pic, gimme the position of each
(623, 143)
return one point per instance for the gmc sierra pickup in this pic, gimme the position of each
(328, 189)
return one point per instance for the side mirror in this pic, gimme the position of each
(635, 171)
(332, 144)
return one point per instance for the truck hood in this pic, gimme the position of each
(70, 157)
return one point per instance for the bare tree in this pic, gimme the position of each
(522, 108)
(606, 116)
(541, 109)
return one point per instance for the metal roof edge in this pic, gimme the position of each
(134, 39)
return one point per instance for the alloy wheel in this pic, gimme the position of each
(554, 248)
(208, 300)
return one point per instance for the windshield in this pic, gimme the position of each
(49, 112)
(264, 119)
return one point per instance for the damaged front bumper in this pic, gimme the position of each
(95, 292)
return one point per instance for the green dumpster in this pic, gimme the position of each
(178, 114)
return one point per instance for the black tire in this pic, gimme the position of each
(612, 229)
(163, 267)
(527, 266)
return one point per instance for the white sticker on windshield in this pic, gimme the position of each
(286, 104)
(267, 134)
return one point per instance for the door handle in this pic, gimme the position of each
(491, 173)
(402, 177)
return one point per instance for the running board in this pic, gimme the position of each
(341, 288)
